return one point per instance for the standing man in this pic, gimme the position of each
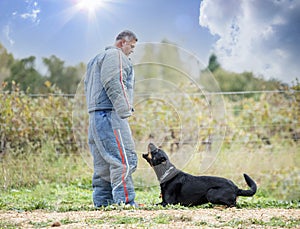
(109, 93)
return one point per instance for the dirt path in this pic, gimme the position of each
(200, 218)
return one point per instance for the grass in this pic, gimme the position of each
(47, 166)
(162, 220)
(78, 197)
(248, 223)
(52, 197)
(60, 183)
(274, 168)
(63, 183)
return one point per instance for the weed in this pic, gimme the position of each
(162, 219)
(201, 224)
(67, 221)
(96, 221)
(40, 224)
(9, 225)
(127, 220)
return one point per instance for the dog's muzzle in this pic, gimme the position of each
(147, 156)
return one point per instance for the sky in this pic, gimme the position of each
(261, 36)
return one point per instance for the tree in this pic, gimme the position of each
(55, 69)
(66, 78)
(232, 81)
(213, 63)
(23, 72)
(6, 61)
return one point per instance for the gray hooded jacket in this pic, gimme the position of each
(109, 82)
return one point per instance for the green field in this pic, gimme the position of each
(43, 169)
(63, 183)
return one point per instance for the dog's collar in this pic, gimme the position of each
(169, 174)
(165, 171)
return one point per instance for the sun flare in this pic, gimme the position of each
(89, 5)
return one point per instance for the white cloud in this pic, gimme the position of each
(32, 12)
(258, 36)
(33, 15)
(7, 34)
(29, 11)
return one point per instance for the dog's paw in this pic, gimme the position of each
(220, 207)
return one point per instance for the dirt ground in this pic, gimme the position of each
(199, 218)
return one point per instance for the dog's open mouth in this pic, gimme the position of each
(151, 148)
(148, 156)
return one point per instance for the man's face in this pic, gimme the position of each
(128, 47)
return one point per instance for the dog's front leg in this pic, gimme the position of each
(169, 198)
(170, 193)
(162, 204)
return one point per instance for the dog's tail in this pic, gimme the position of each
(251, 184)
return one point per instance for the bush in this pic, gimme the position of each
(37, 140)
(29, 122)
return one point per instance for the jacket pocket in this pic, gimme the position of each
(102, 124)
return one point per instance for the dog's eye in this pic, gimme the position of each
(156, 151)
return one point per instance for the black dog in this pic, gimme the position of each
(178, 187)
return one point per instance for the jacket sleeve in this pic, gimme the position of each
(112, 77)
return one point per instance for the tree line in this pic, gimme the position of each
(24, 73)
(246, 81)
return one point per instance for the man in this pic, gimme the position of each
(109, 93)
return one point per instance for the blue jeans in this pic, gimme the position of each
(115, 159)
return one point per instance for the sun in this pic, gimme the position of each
(91, 6)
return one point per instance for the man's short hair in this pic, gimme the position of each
(127, 34)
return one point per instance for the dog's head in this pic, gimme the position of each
(155, 156)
